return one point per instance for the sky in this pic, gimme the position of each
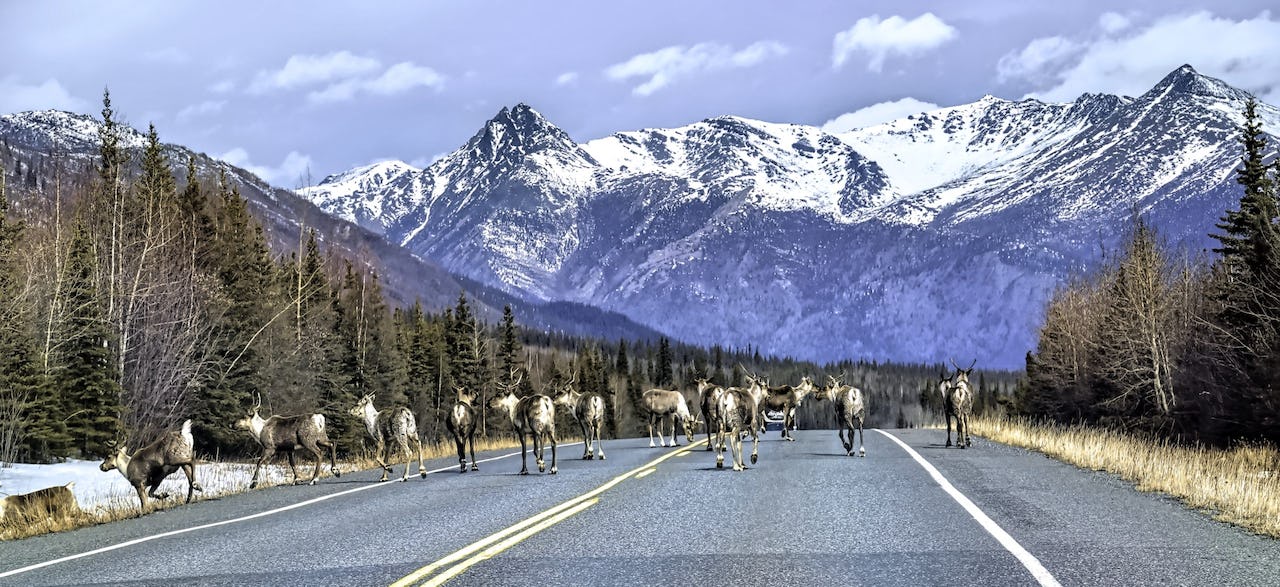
(295, 91)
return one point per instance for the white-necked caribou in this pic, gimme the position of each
(394, 430)
(661, 404)
(708, 397)
(148, 466)
(288, 434)
(785, 399)
(534, 415)
(738, 413)
(959, 405)
(462, 426)
(850, 410)
(588, 410)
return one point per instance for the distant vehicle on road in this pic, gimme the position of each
(773, 420)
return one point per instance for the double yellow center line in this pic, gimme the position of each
(494, 544)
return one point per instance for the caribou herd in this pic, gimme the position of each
(731, 416)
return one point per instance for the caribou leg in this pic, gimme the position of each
(266, 454)
(474, 465)
(192, 486)
(461, 442)
(651, 444)
(587, 445)
(333, 457)
(862, 447)
(142, 498)
(292, 465)
(537, 451)
(948, 415)
(552, 434)
(524, 466)
(319, 455)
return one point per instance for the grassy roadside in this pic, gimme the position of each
(223, 478)
(1240, 486)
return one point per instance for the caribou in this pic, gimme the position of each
(850, 409)
(288, 434)
(534, 415)
(588, 411)
(738, 413)
(147, 467)
(51, 504)
(785, 399)
(394, 425)
(959, 404)
(708, 397)
(944, 390)
(462, 426)
(661, 404)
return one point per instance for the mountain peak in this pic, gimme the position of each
(518, 130)
(1185, 80)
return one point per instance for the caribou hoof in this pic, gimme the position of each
(524, 471)
(462, 469)
(964, 446)
(475, 467)
(253, 484)
(652, 445)
(197, 487)
(542, 468)
(739, 468)
(313, 482)
(753, 459)
(553, 470)
(336, 472)
(948, 442)
(602, 456)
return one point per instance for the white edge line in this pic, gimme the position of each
(316, 500)
(1042, 575)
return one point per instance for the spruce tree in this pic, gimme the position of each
(509, 351)
(85, 374)
(664, 377)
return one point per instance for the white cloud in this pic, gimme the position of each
(566, 78)
(305, 70)
(16, 96)
(668, 65)
(876, 114)
(402, 77)
(1244, 53)
(223, 87)
(894, 35)
(170, 55)
(289, 173)
(203, 108)
(1113, 22)
(1037, 58)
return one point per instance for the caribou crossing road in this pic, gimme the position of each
(805, 515)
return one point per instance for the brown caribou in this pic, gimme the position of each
(708, 397)
(51, 504)
(288, 434)
(959, 404)
(534, 415)
(148, 466)
(738, 413)
(394, 430)
(785, 399)
(850, 410)
(462, 426)
(588, 410)
(661, 404)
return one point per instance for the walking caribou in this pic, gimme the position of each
(149, 465)
(588, 411)
(462, 426)
(959, 404)
(393, 430)
(534, 415)
(288, 434)
(708, 397)
(786, 398)
(850, 410)
(661, 404)
(944, 390)
(738, 413)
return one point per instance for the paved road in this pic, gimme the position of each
(806, 515)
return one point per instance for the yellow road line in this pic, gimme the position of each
(497, 549)
(646, 473)
(483, 543)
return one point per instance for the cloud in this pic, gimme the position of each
(223, 87)
(894, 35)
(668, 65)
(1037, 58)
(305, 70)
(170, 55)
(291, 172)
(201, 109)
(566, 78)
(1113, 22)
(876, 114)
(17, 97)
(398, 78)
(1128, 61)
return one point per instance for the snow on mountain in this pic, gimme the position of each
(940, 234)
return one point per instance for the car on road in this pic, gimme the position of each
(773, 421)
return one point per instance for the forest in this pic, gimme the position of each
(137, 293)
(1164, 342)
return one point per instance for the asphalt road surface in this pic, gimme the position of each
(805, 515)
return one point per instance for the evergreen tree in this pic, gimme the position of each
(86, 368)
(620, 364)
(664, 377)
(509, 351)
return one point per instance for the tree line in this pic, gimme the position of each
(136, 292)
(1164, 342)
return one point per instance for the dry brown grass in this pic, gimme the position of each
(228, 478)
(1240, 486)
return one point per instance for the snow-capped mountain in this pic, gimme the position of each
(941, 234)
